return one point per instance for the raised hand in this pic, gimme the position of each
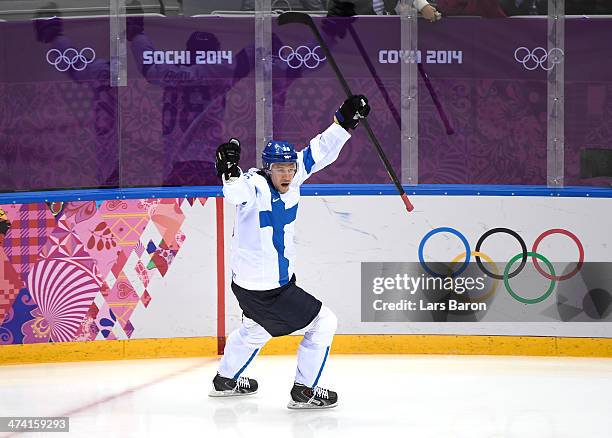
(352, 110)
(227, 158)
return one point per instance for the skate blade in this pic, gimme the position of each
(214, 393)
(299, 405)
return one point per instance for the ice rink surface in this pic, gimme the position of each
(379, 396)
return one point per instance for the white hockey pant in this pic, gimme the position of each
(243, 345)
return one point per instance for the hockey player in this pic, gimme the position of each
(263, 260)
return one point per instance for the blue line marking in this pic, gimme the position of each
(308, 190)
(110, 194)
(455, 190)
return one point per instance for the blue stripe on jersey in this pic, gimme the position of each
(314, 385)
(277, 219)
(308, 160)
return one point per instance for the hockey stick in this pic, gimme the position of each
(301, 18)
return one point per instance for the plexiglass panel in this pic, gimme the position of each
(190, 88)
(58, 112)
(588, 111)
(76, 113)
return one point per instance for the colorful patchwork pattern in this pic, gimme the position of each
(77, 271)
(10, 285)
(12, 330)
(64, 291)
(27, 236)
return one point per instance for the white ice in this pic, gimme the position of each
(379, 396)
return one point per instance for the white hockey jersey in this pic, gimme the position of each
(263, 250)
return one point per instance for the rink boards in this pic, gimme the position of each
(166, 276)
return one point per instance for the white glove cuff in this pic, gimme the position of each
(232, 179)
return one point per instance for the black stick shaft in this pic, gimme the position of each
(306, 19)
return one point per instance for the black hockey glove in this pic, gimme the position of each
(353, 109)
(227, 158)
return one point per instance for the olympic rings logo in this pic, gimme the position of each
(538, 57)
(507, 273)
(302, 56)
(71, 57)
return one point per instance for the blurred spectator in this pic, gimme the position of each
(572, 7)
(524, 7)
(348, 8)
(588, 7)
(101, 104)
(481, 8)
(194, 100)
(193, 105)
(308, 5)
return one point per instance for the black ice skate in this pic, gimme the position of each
(224, 387)
(303, 397)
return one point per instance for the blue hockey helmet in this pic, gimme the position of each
(278, 152)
